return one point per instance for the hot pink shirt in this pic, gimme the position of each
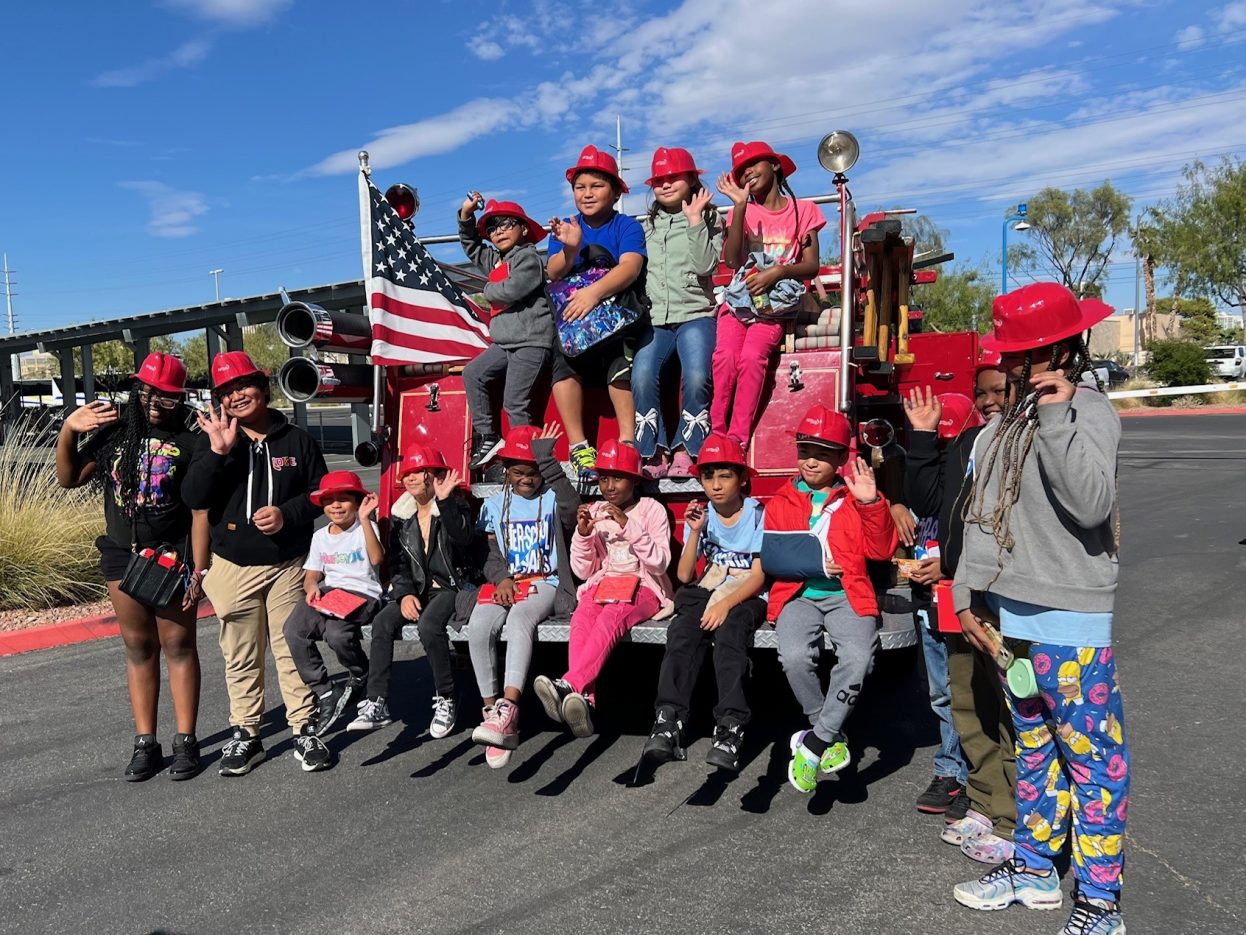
(780, 234)
(642, 547)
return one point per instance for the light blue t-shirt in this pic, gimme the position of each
(1023, 621)
(528, 539)
(621, 234)
(731, 546)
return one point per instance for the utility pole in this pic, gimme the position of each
(619, 151)
(8, 301)
(216, 277)
(1137, 309)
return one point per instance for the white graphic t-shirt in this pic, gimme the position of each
(344, 560)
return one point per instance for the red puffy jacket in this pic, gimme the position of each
(858, 531)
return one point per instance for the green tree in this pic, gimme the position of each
(1198, 319)
(113, 357)
(1072, 235)
(1201, 232)
(955, 300)
(1178, 363)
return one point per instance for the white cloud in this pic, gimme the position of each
(1232, 17)
(485, 49)
(186, 55)
(172, 212)
(242, 13)
(1190, 38)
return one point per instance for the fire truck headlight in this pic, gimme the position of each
(403, 199)
(838, 151)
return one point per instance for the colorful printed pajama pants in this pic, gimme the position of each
(1072, 765)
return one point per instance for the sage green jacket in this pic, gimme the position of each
(682, 260)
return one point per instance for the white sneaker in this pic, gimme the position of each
(445, 714)
(373, 713)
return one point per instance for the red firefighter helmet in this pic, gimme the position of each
(233, 365)
(672, 161)
(959, 414)
(420, 457)
(744, 154)
(719, 449)
(613, 457)
(824, 426)
(593, 159)
(337, 482)
(163, 372)
(518, 446)
(510, 209)
(1039, 314)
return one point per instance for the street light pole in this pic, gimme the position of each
(1022, 225)
(216, 278)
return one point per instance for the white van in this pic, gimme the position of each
(1227, 361)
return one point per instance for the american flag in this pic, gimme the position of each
(418, 315)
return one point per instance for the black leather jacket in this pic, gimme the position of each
(413, 565)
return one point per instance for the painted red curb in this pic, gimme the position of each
(1199, 411)
(68, 632)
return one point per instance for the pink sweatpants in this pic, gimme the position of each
(741, 356)
(596, 628)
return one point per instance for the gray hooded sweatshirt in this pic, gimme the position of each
(1064, 555)
(521, 311)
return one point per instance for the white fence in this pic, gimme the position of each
(1177, 390)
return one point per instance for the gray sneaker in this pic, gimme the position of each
(445, 714)
(373, 713)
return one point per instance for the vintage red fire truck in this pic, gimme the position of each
(858, 347)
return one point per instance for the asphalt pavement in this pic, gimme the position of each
(413, 835)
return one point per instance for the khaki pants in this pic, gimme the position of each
(252, 602)
(984, 723)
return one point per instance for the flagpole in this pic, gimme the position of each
(365, 232)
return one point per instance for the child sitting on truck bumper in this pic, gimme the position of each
(820, 529)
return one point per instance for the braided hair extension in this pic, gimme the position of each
(123, 463)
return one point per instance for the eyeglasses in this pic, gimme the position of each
(159, 400)
(493, 225)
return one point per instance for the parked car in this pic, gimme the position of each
(1227, 361)
(1110, 372)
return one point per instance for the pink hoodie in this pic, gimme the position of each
(646, 538)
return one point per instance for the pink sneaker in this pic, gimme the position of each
(655, 467)
(496, 757)
(681, 465)
(500, 727)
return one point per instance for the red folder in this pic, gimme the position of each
(617, 589)
(339, 603)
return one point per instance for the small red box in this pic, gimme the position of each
(946, 620)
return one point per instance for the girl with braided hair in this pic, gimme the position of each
(1039, 560)
(137, 459)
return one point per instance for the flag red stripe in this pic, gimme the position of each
(424, 314)
(454, 349)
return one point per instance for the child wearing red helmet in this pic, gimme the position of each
(1040, 556)
(820, 530)
(684, 238)
(528, 571)
(522, 323)
(345, 556)
(597, 233)
(431, 534)
(718, 606)
(768, 227)
(621, 548)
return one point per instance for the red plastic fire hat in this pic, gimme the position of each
(510, 209)
(823, 426)
(593, 159)
(613, 457)
(233, 365)
(719, 449)
(1039, 314)
(337, 482)
(162, 372)
(988, 360)
(959, 414)
(421, 458)
(518, 446)
(673, 161)
(744, 154)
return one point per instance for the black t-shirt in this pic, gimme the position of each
(162, 517)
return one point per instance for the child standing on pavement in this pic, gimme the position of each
(772, 243)
(529, 578)
(1040, 556)
(344, 556)
(621, 548)
(522, 324)
(430, 537)
(684, 239)
(820, 529)
(718, 607)
(596, 185)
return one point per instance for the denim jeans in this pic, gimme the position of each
(949, 760)
(694, 343)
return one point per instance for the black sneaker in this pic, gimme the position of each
(666, 739)
(483, 451)
(324, 712)
(349, 699)
(939, 795)
(551, 692)
(240, 753)
(959, 807)
(311, 751)
(185, 757)
(148, 759)
(724, 751)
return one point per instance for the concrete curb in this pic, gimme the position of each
(1148, 412)
(68, 632)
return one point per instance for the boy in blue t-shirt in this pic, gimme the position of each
(596, 185)
(721, 606)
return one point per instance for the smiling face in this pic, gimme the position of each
(989, 393)
(420, 484)
(341, 508)
(758, 178)
(159, 407)
(243, 399)
(818, 464)
(616, 489)
(672, 191)
(505, 232)
(594, 195)
(524, 479)
(723, 484)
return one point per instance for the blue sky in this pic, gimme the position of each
(151, 141)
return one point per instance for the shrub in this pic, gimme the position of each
(1178, 363)
(47, 535)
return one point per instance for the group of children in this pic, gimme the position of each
(661, 270)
